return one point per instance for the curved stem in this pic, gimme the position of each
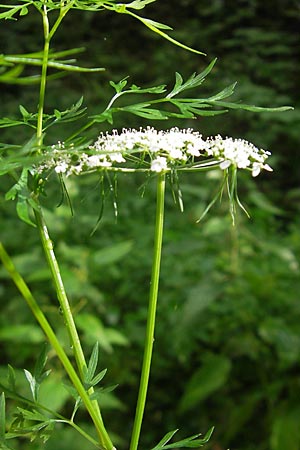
(46, 327)
(148, 348)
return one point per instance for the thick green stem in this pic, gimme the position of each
(149, 340)
(46, 327)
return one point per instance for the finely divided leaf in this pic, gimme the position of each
(20, 192)
(194, 80)
(190, 442)
(119, 86)
(165, 439)
(33, 415)
(69, 115)
(32, 383)
(13, 10)
(227, 92)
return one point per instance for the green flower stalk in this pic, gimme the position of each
(149, 341)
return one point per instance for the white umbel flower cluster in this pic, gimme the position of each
(157, 151)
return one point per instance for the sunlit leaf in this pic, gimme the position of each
(222, 94)
(92, 365)
(98, 377)
(139, 4)
(32, 383)
(192, 82)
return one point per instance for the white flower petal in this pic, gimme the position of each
(159, 164)
(225, 164)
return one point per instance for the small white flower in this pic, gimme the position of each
(176, 153)
(225, 164)
(117, 157)
(256, 168)
(159, 164)
(61, 167)
(94, 161)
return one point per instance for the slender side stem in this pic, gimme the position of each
(48, 34)
(148, 348)
(46, 327)
(39, 131)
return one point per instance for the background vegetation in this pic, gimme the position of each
(227, 348)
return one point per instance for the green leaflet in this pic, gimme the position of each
(139, 4)
(21, 193)
(191, 442)
(12, 10)
(252, 108)
(192, 82)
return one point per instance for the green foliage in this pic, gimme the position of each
(213, 374)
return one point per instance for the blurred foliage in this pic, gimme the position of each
(227, 347)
